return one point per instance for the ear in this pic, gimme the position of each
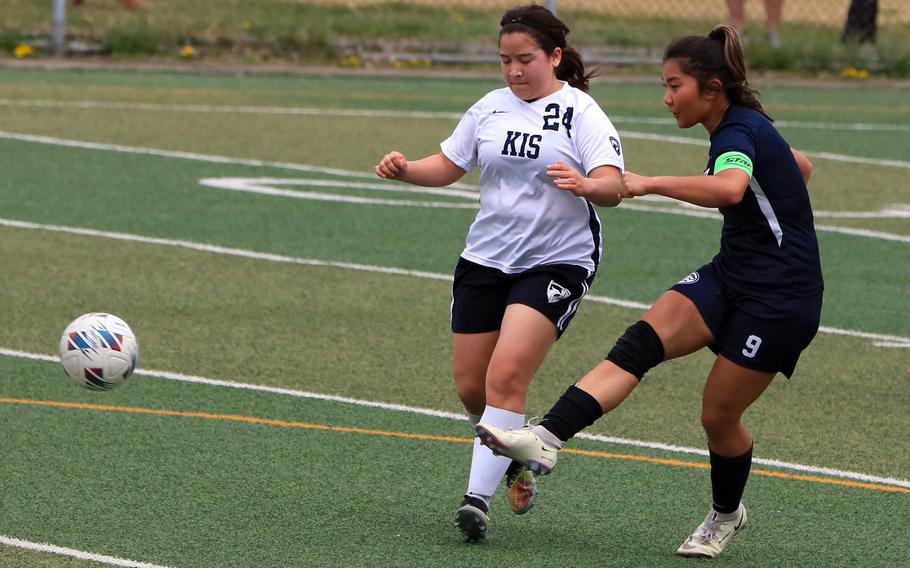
(556, 57)
(713, 88)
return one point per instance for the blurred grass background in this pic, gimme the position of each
(428, 33)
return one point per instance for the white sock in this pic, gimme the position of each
(487, 470)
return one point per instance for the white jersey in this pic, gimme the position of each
(524, 220)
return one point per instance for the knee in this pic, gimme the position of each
(505, 381)
(718, 421)
(638, 349)
(470, 388)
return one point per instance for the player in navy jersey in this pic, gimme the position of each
(546, 152)
(756, 304)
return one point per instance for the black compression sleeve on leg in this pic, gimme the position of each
(728, 480)
(573, 412)
(638, 350)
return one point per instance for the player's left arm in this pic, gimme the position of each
(805, 166)
(601, 186)
(719, 190)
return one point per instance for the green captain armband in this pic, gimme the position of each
(729, 160)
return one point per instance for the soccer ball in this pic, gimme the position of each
(98, 351)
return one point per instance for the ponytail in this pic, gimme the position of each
(717, 56)
(572, 69)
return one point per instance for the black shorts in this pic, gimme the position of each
(480, 294)
(761, 333)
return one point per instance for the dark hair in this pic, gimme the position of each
(718, 55)
(549, 32)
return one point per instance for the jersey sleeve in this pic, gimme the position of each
(461, 146)
(597, 141)
(735, 142)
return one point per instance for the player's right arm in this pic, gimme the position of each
(432, 171)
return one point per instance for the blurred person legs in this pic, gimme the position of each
(774, 10)
(861, 25)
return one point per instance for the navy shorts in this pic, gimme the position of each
(761, 333)
(480, 294)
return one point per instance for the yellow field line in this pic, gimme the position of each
(431, 437)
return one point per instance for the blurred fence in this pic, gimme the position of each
(828, 12)
(622, 32)
(439, 32)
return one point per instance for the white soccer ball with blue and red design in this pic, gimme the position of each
(98, 351)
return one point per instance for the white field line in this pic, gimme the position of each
(363, 113)
(457, 416)
(250, 109)
(220, 250)
(264, 186)
(854, 126)
(229, 251)
(689, 212)
(193, 156)
(82, 555)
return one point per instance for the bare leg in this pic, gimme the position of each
(729, 391)
(681, 330)
(524, 341)
(471, 353)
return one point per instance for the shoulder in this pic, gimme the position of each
(739, 123)
(746, 119)
(497, 97)
(578, 98)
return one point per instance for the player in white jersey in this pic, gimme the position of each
(546, 153)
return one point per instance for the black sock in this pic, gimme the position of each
(573, 412)
(728, 480)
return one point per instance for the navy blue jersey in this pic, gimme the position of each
(768, 244)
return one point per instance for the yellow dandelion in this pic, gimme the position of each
(247, 24)
(23, 50)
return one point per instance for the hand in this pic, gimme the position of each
(392, 166)
(567, 178)
(633, 185)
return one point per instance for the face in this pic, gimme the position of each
(527, 69)
(688, 104)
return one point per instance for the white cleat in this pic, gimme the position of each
(710, 538)
(522, 445)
